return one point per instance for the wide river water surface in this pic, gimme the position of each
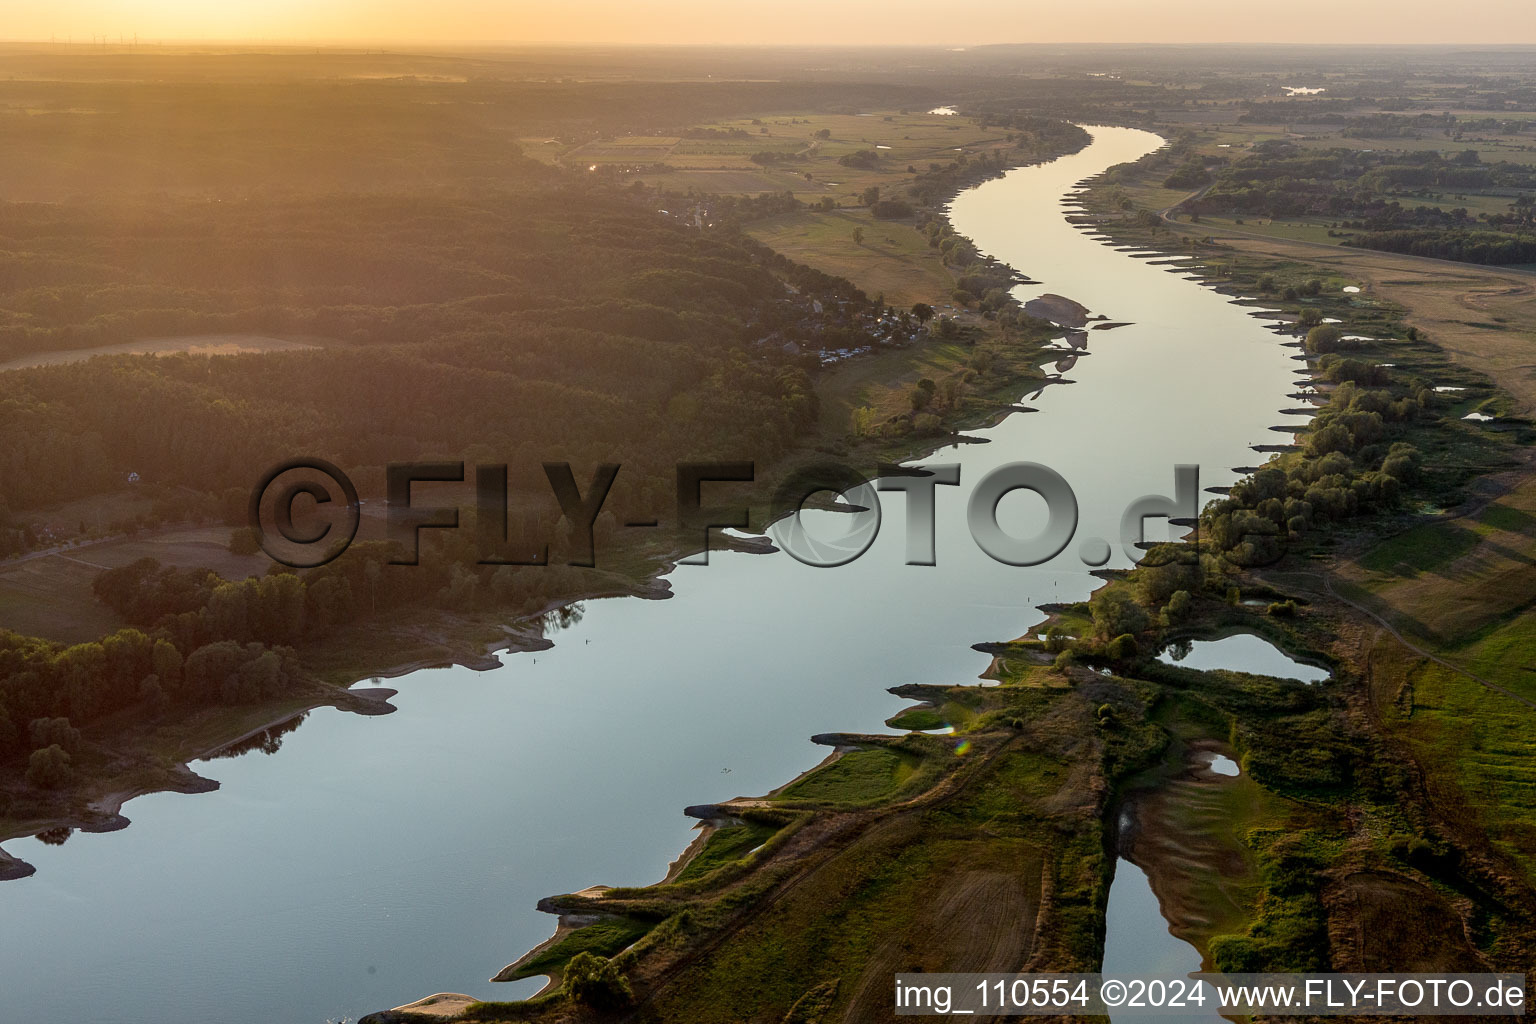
(371, 861)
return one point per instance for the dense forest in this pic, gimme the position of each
(560, 323)
(459, 301)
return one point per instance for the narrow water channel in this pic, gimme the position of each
(370, 861)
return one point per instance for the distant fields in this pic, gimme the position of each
(1218, 141)
(808, 164)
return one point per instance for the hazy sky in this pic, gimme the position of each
(840, 22)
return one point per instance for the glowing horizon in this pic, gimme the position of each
(784, 22)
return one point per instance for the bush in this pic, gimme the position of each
(1122, 647)
(49, 768)
(594, 981)
(1192, 175)
(1177, 609)
(1323, 338)
(242, 541)
(1115, 613)
(54, 732)
(1237, 954)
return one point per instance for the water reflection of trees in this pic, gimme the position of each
(563, 618)
(55, 836)
(268, 740)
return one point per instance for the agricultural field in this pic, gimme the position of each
(50, 595)
(1460, 584)
(1477, 741)
(1216, 140)
(888, 257)
(1516, 149)
(1296, 230)
(806, 161)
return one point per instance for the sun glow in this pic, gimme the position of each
(786, 22)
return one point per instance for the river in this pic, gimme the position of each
(371, 861)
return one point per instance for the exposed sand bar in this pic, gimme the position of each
(195, 344)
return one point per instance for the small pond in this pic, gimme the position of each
(1241, 652)
(1219, 764)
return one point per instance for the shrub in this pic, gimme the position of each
(1122, 647)
(891, 209)
(1323, 338)
(54, 732)
(594, 981)
(242, 541)
(1115, 613)
(49, 768)
(1177, 609)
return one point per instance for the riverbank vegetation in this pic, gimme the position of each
(1017, 822)
(472, 300)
